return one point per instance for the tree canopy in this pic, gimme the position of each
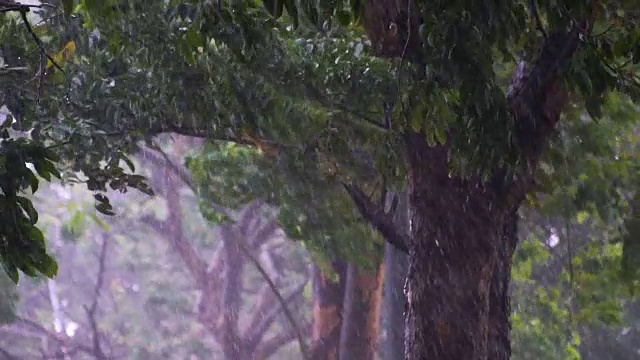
(526, 98)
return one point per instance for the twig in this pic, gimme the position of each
(23, 15)
(6, 70)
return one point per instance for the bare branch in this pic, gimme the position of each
(261, 324)
(23, 9)
(266, 350)
(283, 302)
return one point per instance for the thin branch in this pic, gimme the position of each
(23, 15)
(265, 233)
(61, 341)
(283, 302)
(262, 323)
(270, 346)
(91, 310)
(172, 230)
(375, 215)
(159, 157)
(5, 70)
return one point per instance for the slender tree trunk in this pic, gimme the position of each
(499, 297)
(231, 340)
(327, 312)
(361, 319)
(457, 227)
(395, 267)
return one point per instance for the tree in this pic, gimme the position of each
(346, 283)
(250, 236)
(470, 140)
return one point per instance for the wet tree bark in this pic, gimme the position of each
(360, 324)
(456, 229)
(327, 312)
(231, 341)
(395, 267)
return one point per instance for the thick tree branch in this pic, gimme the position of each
(537, 97)
(376, 216)
(232, 342)
(173, 232)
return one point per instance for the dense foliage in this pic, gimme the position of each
(297, 101)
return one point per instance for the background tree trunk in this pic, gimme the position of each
(395, 268)
(500, 307)
(327, 312)
(361, 319)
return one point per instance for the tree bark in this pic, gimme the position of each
(395, 267)
(499, 296)
(462, 229)
(231, 340)
(361, 320)
(456, 228)
(327, 312)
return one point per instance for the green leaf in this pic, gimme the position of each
(33, 181)
(45, 169)
(12, 271)
(77, 221)
(28, 207)
(344, 17)
(105, 208)
(101, 223)
(48, 266)
(37, 235)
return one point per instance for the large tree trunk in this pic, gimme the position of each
(327, 312)
(457, 227)
(462, 230)
(395, 267)
(361, 316)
